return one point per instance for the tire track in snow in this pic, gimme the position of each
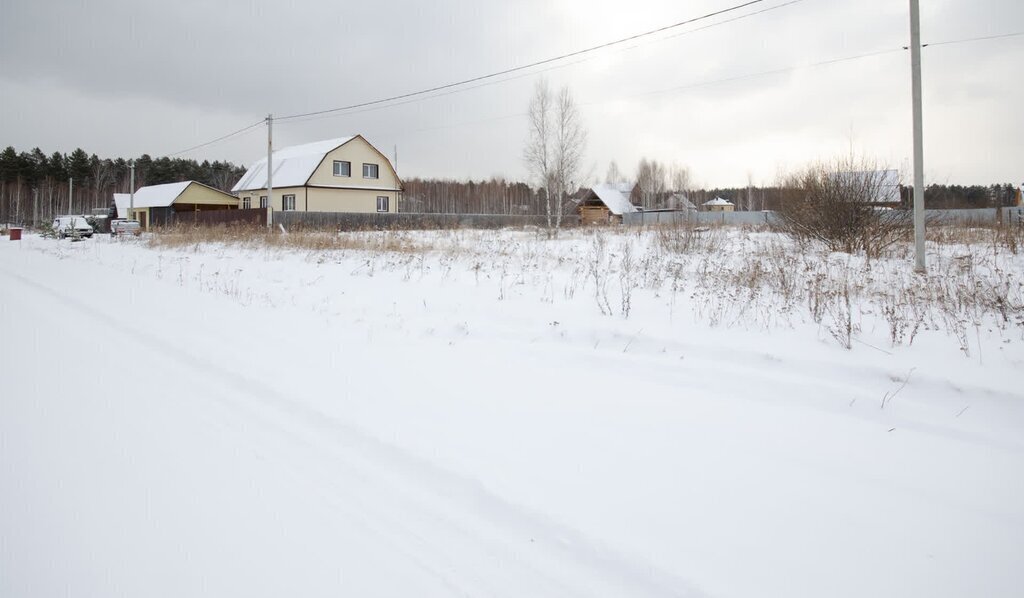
(566, 563)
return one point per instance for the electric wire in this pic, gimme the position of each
(974, 39)
(530, 65)
(221, 138)
(413, 97)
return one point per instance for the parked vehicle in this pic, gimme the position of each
(72, 226)
(123, 226)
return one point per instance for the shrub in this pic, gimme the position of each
(837, 204)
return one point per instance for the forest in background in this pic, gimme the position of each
(34, 186)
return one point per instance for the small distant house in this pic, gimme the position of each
(337, 175)
(155, 205)
(719, 204)
(606, 203)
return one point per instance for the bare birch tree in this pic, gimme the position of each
(652, 180)
(554, 150)
(614, 175)
(681, 180)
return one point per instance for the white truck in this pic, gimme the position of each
(72, 226)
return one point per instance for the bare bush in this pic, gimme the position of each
(837, 204)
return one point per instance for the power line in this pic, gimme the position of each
(221, 138)
(350, 110)
(439, 95)
(316, 116)
(530, 65)
(375, 104)
(688, 86)
(765, 73)
(974, 39)
(414, 96)
(730, 20)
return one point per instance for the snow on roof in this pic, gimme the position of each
(718, 201)
(616, 197)
(292, 165)
(153, 196)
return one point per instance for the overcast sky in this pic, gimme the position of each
(123, 78)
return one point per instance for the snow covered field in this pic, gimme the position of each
(496, 414)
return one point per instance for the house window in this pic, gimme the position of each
(246, 203)
(342, 168)
(370, 171)
(288, 202)
(263, 201)
(382, 203)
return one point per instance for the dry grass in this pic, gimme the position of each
(1004, 236)
(726, 276)
(247, 236)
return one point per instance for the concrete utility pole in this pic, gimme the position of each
(131, 193)
(71, 182)
(915, 68)
(270, 170)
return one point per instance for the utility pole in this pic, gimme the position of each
(71, 186)
(35, 207)
(131, 193)
(915, 68)
(270, 170)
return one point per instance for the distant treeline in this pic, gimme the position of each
(35, 185)
(448, 196)
(936, 197)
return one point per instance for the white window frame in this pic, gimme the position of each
(246, 203)
(263, 202)
(385, 201)
(288, 202)
(367, 168)
(348, 168)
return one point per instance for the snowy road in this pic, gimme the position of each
(162, 441)
(222, 468)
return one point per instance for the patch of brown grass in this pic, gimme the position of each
(248, 236)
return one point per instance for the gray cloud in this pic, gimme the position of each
(123, 78)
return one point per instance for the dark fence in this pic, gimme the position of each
(254, 217)
(405, 221)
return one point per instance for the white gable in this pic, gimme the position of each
(153, 196)
(292, 165)
(616, 197)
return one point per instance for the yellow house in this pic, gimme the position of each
(719, 205)
(155, 205)
(336, 175)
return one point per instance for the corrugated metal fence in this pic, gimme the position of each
(966, 217)
(404, 220)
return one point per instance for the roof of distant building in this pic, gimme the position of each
(615, 196)
(292, 165)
